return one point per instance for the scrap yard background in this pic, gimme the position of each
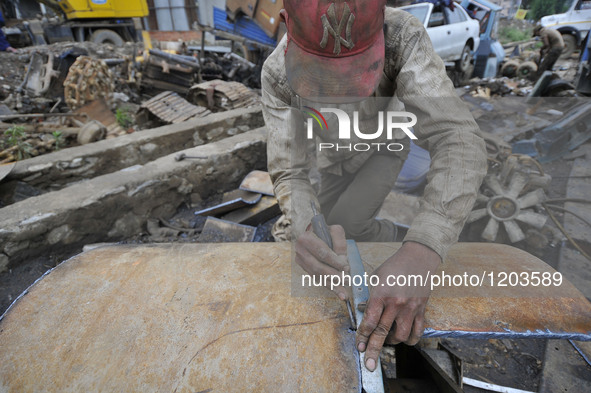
(156, 135)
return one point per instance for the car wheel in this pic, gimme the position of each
(106, 36)
(527, 69)
(463, 64)
(509, 69)
(570, 45)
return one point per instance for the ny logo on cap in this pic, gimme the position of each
(330, 26)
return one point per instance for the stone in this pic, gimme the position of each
(60, 234)
(91, 132)
(3, 263)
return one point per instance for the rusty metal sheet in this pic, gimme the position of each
(231, 201)
(257, 214)
(194, 317)
(172, 108)
(176, 318)
(497, 311)
(220, 231)
(258, 181)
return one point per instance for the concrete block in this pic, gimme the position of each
(66, 166)
(109, 207)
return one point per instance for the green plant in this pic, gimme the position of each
(513, 34)
(15, 135)
(59, 139)
(124, 118)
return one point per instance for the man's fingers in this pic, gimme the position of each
(341, 292)
(339, 241)
(377, 338)
(404, 324)
(371, 318)
(310, 264)
(417, 329)
(322, 252)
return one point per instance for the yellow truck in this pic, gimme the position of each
(100, 21)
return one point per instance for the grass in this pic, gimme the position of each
(15, 138)
(512, 34)
(124, 118)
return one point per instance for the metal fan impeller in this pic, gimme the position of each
(507, 207)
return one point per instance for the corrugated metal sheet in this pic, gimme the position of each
(172, 108)
(244, 27)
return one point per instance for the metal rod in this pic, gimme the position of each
(39, 115)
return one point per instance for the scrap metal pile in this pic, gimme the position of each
(66, 94)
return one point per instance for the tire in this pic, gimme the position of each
(527, 69)
(509, 69)
(465, 61)
(570, 45)
(106, 36)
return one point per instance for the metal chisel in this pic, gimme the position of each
(320, 229)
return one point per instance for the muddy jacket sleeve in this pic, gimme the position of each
(445, 128)
(288, 155)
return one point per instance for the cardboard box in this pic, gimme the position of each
(247, 7)
(267, 15)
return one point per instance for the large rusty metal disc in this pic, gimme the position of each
(221, 318)
(176, 318)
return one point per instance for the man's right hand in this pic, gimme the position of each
(316, 258)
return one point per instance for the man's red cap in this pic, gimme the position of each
(335, 48)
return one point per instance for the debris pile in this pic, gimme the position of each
(66, 94)
(242, 215)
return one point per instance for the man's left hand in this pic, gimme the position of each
(404, 305)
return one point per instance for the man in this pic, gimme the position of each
(553, 45)
(4, 45)
(334, 51)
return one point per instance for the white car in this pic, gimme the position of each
(573, 24)
(454, 34)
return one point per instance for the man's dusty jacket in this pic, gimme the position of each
(415, 75)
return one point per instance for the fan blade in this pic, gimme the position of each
(532, 218)
(476, 215)
(515, 233)
(490, 231)
(493, 183)
(531, 199)
(518, 181)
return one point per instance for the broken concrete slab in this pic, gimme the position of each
(221, 231)
(263, 211)
(113, 206)
(58, 169)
